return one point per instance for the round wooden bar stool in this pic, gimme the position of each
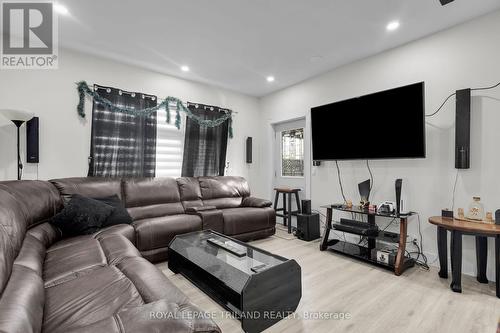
(287, 204)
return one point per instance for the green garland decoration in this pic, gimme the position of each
(84, 89)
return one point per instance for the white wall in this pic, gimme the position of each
(464, 56)
(65, 137)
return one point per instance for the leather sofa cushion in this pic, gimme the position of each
(150, 191)
(224, 191)
(22, 302)
(39, 200)
(145, 212)
(156, 255)
(157, 232)
(12, 231)
(32, 254)
(247, 219)
(125, 230)
(256, 202)
(151, 283)
(117, 248)
(138, 319)
(190, 191)
(223, 187)
(221, 203)
(93, 187)
(87, 299)
(152, 197)
(46, 233)
(70, 258)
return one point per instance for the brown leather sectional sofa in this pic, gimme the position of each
(103, 282)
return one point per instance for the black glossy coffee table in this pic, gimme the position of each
(258, 297)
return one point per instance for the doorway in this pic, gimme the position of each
(289, 158)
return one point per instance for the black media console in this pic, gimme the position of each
(397, 263)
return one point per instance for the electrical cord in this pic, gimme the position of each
(387, 226)
(453, 194)
(486, 88)
(340, 181)
(447, 98)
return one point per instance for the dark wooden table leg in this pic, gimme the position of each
(299, 210)
(456, 261)
(497, 263)
(289, 213)
(284, 208)
(481, 258)
(442, 243)
(328, 226)
(400, 257)
(276, 197)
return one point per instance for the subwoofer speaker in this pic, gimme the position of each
(32, 141)
(462, 130)
(249, 149)
(307, 227)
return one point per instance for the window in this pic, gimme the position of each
(169, 144)
(292, 153)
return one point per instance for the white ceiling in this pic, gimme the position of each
(235, 44)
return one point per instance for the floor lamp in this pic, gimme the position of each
(18, 117)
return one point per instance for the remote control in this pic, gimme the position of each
(259, 268)
(230, 248)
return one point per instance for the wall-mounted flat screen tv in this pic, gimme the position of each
(384, 125)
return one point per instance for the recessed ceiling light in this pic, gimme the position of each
(60, 9)
(270, 79)
(392, 26)
(185, 68)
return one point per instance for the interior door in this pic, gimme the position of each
(289, 152)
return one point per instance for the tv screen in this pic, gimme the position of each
(383, 125)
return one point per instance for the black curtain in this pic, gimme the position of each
(123, 145)
(205, 147)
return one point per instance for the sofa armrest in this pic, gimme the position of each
(199, 209)
(255, 202)
(211, 217)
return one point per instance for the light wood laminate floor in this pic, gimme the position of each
(376, 299)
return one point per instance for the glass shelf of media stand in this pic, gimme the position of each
(401, 262)
(366, 211)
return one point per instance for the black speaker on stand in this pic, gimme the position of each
(462, 129)
(32, 141)
(306, 207)
(249, 149)
(398, 185)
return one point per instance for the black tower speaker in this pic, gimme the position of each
(306, 207)
(32, 142)
(249, 149)
(399, 185)
(307, 227)
(497, 216)
(462, 130)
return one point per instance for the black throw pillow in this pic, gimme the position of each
(81, 216)
(119, 215)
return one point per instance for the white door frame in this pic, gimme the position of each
(307, 153)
